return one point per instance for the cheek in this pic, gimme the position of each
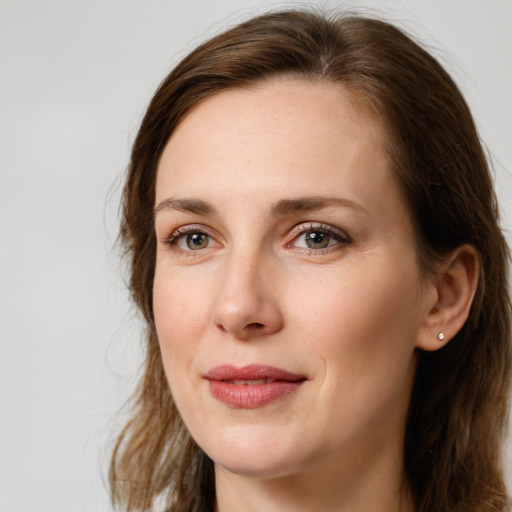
(363, 325)
(363, 332)
(181, 313)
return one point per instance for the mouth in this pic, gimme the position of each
(251, 386)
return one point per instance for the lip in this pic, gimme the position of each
(277, 384)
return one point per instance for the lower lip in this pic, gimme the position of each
(251, 397)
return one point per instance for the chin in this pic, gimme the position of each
(254, 455)
(263, 469)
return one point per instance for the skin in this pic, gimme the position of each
(349, 317)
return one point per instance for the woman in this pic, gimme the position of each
(315, 247)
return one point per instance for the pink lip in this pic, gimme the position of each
(243, 396)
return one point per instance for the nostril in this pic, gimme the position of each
(255, 325)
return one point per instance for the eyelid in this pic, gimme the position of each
(189, 228)
(173, 239)
(319, 226)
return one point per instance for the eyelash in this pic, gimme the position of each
(339, 236)
(192, 229)
(301, 230)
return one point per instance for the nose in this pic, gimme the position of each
(247, 304)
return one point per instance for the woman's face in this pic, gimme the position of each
(287, 297)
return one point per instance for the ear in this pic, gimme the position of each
(454, 286)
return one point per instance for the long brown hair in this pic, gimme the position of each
(458, 411)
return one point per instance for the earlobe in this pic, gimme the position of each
(455, 285)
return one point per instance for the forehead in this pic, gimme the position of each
(279, 135)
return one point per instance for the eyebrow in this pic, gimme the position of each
(311, 203)
(279, 209)
(187, 205)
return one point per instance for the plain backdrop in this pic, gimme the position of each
(75, 77)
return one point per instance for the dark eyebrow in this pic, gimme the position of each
(310, 203)
(187, 205)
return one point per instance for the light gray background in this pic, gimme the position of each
(75, 77)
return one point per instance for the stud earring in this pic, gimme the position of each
(440, 336)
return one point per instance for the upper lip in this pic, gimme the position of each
(251, 372)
